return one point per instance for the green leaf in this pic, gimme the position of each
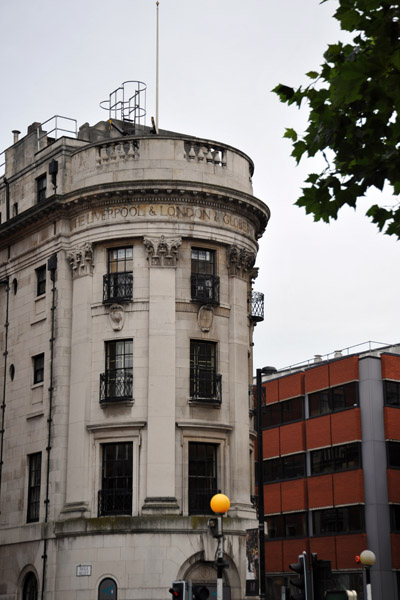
(312, 74)
(291, 134)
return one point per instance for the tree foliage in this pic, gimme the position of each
(354, 103)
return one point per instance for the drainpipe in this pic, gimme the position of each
(3, 404)
(52, 267)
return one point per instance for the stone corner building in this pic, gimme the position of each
(126, 311)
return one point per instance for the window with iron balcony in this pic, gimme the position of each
(116, 383)
(118, 283)
(205, 382)
(204, 281)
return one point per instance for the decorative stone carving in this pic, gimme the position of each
(117, 317)
(81, 260)
(162, 251)
(240, 261)
(205, 317)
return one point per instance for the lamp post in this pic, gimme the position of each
(367, 559)
(260, 479)
(220, 505)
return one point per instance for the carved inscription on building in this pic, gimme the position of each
(118, 214)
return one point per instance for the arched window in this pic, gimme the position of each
(108, 589)
(30, 589)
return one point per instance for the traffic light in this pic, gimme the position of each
(321, 576)
(200, 592)
(301, 582)
(178, 590)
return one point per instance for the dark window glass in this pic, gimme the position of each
(333, 399)
(203, 261)
(115, 496)
(118, 282)
(204, 381)
(34, 478)
(15, 209)
(38, 368)
(393, 455)
(117, 381)
(120, 260)
(392, 393)
(336, 458)
(285, 467)
(345, 519)
(203, 483)
(41, 280)
(283, 412)
(30, 589)
(395, 518)
(288, 525)
(41, 185)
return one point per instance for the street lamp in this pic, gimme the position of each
(220, 505)
(260, 478)
(367, 559)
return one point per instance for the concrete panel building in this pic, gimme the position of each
(331, 449)
(127, 311)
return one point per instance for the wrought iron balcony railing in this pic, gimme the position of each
(199, 501)
(205, 288)
(117, 287)
(115, 502)
(257, 306)
(205, 385)
(116, 385)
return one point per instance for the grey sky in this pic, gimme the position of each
(326, 286)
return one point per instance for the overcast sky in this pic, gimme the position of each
(326, 287)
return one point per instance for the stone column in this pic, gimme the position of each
(240, 262)
(78, 477)
(162, 257)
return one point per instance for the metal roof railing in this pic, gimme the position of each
(59, 126)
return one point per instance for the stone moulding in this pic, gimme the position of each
(162, 251)
(81, 260)
(117, 316)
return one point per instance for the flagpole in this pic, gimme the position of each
(157, 4)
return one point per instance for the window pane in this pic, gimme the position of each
(319, 403)
(295, 525)
(202, 476)
(272, 470)
(292, 410)
(393, 449)
(294, 466)
(392, 393)
(272, 415)
(275, 526)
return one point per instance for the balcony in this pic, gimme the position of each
(199, 501)
(115, 502)
(257, 307)
(116, 385)
(205, 288)
(205, 386)
(117, 287)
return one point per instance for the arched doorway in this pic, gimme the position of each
(30, 587)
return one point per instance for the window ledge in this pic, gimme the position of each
(205, 402)
(34, 386)
(35, 414)
(107, 404)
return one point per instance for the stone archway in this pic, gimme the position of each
(202, 572)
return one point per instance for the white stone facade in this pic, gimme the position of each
(97, 362)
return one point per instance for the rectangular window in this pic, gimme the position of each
(41, 280)
(333, 399)
(395, 518)
(117, 382)
(205, 383)
(284, 467)
(41, 185)
(287, 525)
(34, 478)
(392, 393)
(345, 519)
(284, 412)
(15, 209)
(115, 496)
(38, 368)
(393, 455)
(203, 481)
(118, 283)
(336, 458)
(204, 281)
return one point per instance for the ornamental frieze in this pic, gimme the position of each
(81, 260)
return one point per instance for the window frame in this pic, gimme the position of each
(41, 280)
(326, 398)
(117, 379)
(193, 490)
(334, 516)
(393, 451)
(280, 465)
(114, 465)
(204, 379)
(395, 384)
(118, 282)
(204, 286)
(277, 410)
(284, 518)
(41, 190)
(34, 487)
(335, 459)
(38, 368)
(30, 587)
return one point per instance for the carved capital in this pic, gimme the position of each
(81, 260)
(162, 251)
(240, 261)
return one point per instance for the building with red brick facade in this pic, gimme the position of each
(331, 449)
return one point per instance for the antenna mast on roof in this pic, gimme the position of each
(157, 4)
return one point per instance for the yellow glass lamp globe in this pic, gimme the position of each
(220, 503)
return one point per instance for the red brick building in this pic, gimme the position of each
(331, 446)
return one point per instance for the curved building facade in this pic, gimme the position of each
(126, 269)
